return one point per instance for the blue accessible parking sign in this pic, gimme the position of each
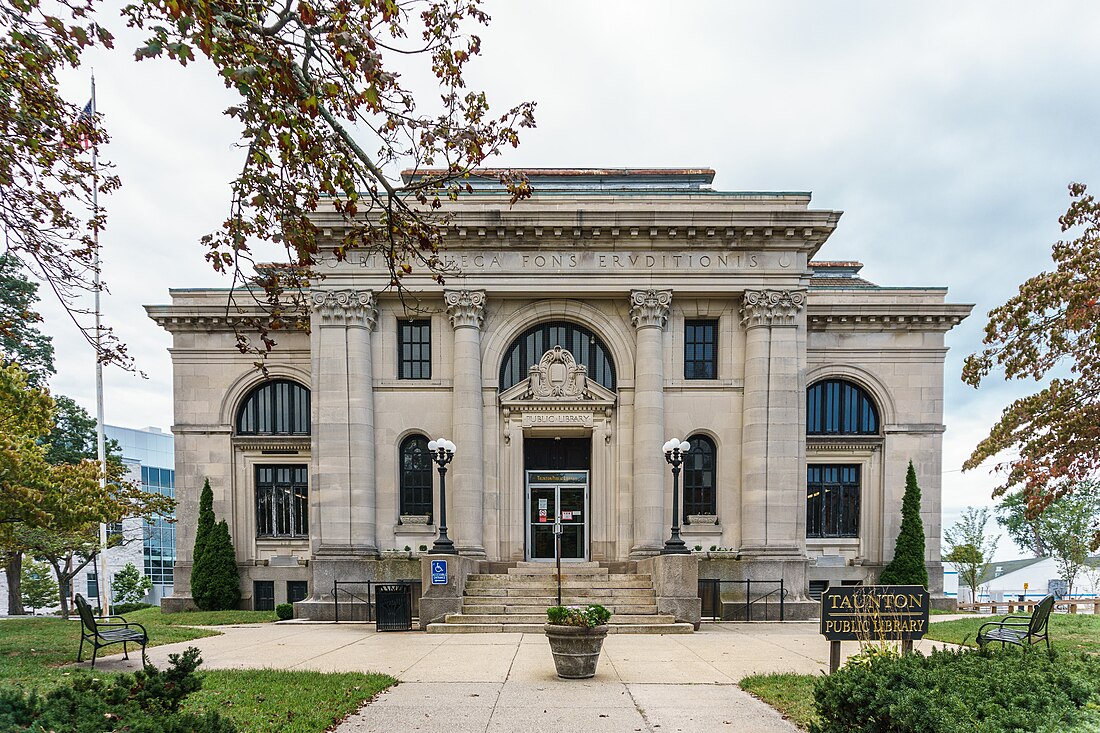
(439, 572)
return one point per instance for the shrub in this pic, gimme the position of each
(907, 567)
(284, 611)
(215, 581)
(594, 615)
(147, 702)
(966, 690)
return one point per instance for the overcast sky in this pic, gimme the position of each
(946, 132)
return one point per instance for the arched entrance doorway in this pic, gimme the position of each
(558, 409)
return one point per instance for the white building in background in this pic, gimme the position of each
(1030, 578)
(150, 545)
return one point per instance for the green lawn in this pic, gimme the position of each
(790, 694)
(33, 652)
(1068, 632)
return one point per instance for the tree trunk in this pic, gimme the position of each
(13, 568)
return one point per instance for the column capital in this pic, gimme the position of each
(649, 308)
(771, 307)
(345, 307)
(465, 307)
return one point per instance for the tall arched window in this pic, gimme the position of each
(839, 407)
(584, 345)
(700, 477)
(278, 407)
(416, 476)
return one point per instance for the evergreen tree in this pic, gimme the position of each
(215, 572)
(38, 588)
(907, 567)
(202, 534)
(130, 585)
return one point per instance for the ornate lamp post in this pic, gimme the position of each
(442, 452)
(674, 451)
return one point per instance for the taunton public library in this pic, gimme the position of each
(582, 329)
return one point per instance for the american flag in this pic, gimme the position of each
(85, 123)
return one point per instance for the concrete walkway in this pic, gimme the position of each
(506, 682)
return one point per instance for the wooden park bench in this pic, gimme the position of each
(1020, 630)
(100, 634)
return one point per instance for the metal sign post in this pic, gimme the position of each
(557, 551)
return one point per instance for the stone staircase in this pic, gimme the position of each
(516, 601)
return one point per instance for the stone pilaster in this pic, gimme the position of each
(343, 480)
(772, 483)
(466, 484)
(649, 314)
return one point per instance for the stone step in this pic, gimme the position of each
(540, 618)
(546, 577)
(632, 608)
(552, 592)
(549, 569)
(603, 584)
(623, 596)
(575, 564)
(494, 628)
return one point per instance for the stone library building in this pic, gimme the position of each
(580, 330)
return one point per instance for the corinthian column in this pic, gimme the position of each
(343, 481)
(772, 487)
(466, 309)
(649, 314)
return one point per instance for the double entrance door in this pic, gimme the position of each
(556, 492)
(557, 497)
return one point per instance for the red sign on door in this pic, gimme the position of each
(542, 515)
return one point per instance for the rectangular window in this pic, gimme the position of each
(832, 500)
(700, 349)
(263, 595)
(93, 589)
(296, 590)
(414, 349)
(282, 501)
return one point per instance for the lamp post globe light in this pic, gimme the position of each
(674, 450)
(442, 452)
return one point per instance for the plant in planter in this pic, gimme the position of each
(576, 636)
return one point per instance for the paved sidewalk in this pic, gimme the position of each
(505, 682)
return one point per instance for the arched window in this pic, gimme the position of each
(416, 476)
(279, 407)
(700, 477)
(584, 345)
(839, 407)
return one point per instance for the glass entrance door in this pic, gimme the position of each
(557, 496)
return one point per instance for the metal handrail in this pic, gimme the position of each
(336, 596)
(369, 600)
(716, 596)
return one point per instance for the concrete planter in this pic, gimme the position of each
(576, 649)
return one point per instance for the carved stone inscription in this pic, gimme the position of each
(597, 262)
(557, 419)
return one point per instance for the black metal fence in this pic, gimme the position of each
(361, 594)
(742, 600)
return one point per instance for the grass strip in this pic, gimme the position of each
(790, 694)
(33, 650)
(1068, 632)
(277, 701)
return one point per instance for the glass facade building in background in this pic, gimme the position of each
(152, 452)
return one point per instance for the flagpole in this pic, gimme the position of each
(104, 584)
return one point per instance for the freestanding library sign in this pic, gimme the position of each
(872, 613)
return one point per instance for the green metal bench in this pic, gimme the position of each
(100, 634)
(1020, 630)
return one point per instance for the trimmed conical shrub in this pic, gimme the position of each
(202, 534)
(907, 567)
(215, 573)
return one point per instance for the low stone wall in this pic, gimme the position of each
(321, 606)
